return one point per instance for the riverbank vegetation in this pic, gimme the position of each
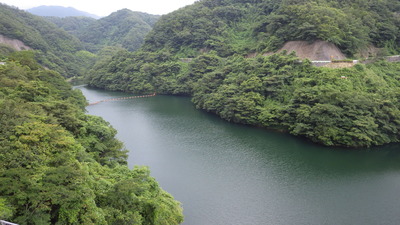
(350, 107)
(61, 166)
(203, 51)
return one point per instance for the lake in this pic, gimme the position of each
(230, 174)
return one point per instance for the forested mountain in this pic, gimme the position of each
(54, 47)
(123, 28)
(243, 26)
(72, 24)
(59, 11)
(56, 40)
(201, 50)
(59, 165)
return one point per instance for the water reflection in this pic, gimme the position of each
(226, 173)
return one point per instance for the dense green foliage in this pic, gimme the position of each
(346, 107)
(5, 50)
(72, 24)
(351, 24)
(134, 72)
(55, 48)
(359, 109)
(243, 26)
(200, 51)
(61, 166)
(123, 28)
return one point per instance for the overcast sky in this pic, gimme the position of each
(104, 8)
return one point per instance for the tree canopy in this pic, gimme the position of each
(61, 166)
(350, 107)
(55, 48)
(243, 26)
(201, 51)
(123, 28)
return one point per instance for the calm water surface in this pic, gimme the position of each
(229, 174)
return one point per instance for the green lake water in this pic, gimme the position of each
(230, 174)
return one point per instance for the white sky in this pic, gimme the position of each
(104, 8)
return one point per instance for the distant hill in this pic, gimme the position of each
(59, 11)
(72, 24)
(54, 47)
(123, 28)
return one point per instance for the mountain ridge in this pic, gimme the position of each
(53, 47)
(59, 11)
(124, 28)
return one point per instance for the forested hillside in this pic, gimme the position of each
(55, 48)
(123, 28)
(201, 50)
(61, 166)
(72, 24)
(243, 26)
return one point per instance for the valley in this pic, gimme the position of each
(246, 111)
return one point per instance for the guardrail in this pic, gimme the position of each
(3, 222)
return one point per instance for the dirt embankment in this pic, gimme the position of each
(14, 43)
(314, 51)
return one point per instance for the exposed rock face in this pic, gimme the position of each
(14, 43)
(315, 51)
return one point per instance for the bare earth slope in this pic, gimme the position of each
(14, 43)
(315, 51)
